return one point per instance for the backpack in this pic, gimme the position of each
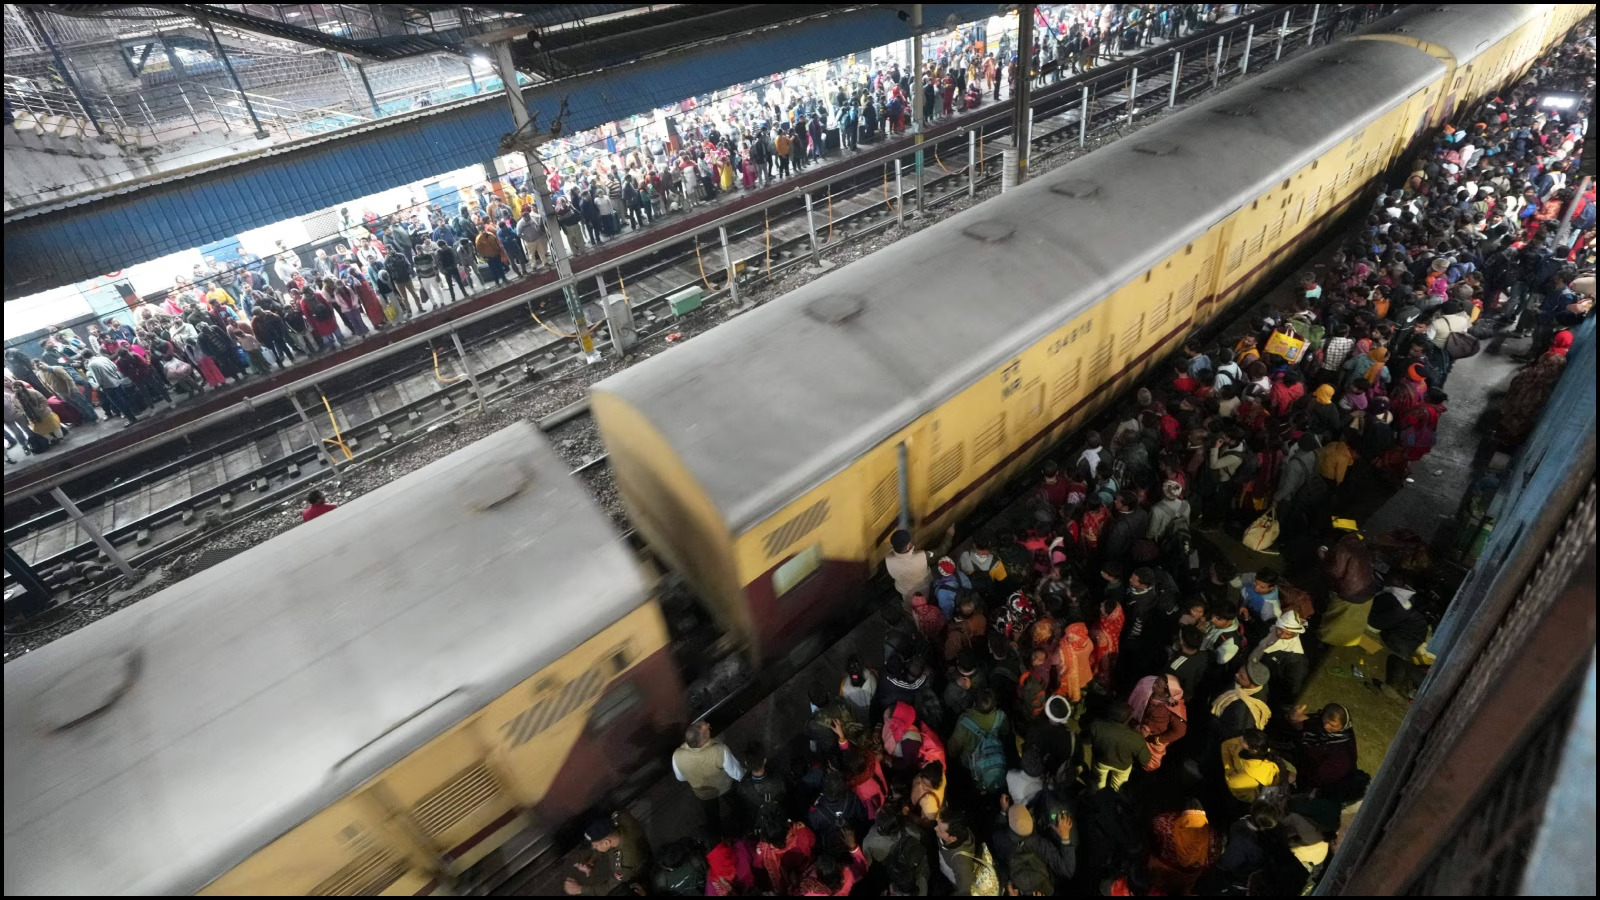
(1175, 544)
(1025, 860)
(987, 759)
(987, 581)
(986, 882)
(1248, 466)
(947, 590)
(930, 712)
(1315, 490)
(1015, 561)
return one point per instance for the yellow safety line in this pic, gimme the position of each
(440, 375)
(338, 439)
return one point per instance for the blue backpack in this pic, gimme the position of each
(947, 589)
(987, 758)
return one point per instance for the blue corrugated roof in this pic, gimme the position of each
(69, 242)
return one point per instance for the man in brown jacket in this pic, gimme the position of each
(1351, 585)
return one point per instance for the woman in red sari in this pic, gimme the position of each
(370, 302)
(1076, 661)
(1107, 635)
(1419, 426)
(1410, 393)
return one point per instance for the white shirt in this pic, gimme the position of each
(1091, 455)
(1022, 787)
(730, 765)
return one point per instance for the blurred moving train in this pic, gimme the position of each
(376, 700)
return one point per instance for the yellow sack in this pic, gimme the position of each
(1286, 345)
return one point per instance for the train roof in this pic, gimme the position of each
(1464, 30)
(154, 749)
(772, 402)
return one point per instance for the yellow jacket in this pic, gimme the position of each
(1246, 776)
(1334, 460)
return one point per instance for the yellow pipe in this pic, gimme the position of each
(338, 439)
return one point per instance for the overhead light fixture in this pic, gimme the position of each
(1558, 101)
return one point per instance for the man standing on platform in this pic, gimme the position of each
(709, 768)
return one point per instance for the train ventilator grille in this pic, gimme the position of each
(533, 721)
(1132, 336)
(1186, 294)
(945, 469)
(991, 439)
(1276, 231)
(798, 527)
(1236, 258)
(1161, 312)
(881, 502)
(364, 876)
(1204, 279)
(1100, 366)
(443, 808)
(1067, 383)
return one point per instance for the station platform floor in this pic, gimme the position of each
(89, 445)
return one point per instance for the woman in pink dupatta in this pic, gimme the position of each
(1158, 711)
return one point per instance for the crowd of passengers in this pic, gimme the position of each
(1096, 700)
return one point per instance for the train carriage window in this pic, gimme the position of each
(799, 567)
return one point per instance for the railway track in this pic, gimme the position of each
(188, 494)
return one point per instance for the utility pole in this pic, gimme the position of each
(1022, 87)
(916, 99)
(524, 140)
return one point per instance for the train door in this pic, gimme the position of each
(884, 487)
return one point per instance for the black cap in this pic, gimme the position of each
(599, 828)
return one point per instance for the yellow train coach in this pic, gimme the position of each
(367, 704)
(769, 460)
